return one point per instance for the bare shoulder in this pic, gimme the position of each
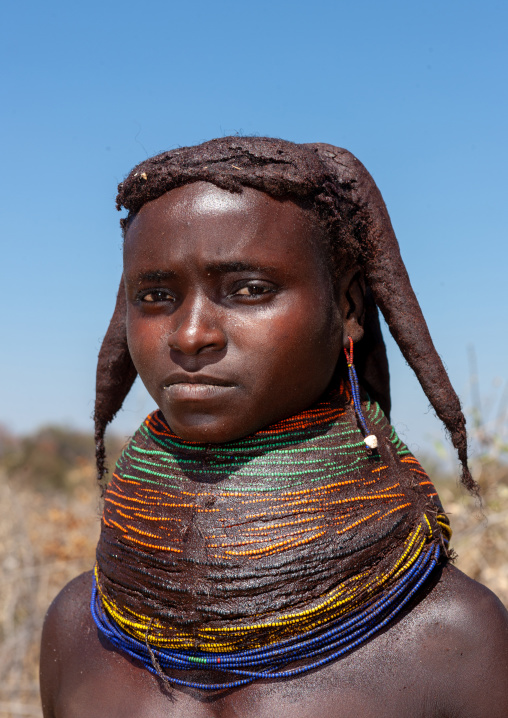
(67, 621)
(68, 613)
(466, 629)
(470, 607)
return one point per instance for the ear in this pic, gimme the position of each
(352, 305)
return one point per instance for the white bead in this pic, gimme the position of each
(371, 441)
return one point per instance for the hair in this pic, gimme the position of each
(344, 197)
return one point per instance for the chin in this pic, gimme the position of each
(204, 430)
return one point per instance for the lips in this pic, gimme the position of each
(196, 387)
(197, 379)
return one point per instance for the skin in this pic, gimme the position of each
(233, 323)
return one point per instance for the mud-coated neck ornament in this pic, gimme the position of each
(200, 544)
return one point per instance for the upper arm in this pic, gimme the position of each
(474, 650)
(59, 638)
(49, 662)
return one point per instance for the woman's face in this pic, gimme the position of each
(232, 318)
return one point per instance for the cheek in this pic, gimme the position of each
(298, 347)
(145, 341)
(315, 353)
(315, 333)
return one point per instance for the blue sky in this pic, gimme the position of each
(416, 90)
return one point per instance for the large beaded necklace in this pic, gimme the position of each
(293, 544)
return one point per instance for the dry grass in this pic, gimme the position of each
(480, 533)
(45, 540)
(50, 527)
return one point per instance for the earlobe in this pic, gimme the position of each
(352, 329)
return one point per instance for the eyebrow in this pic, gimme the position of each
(159, 275)
(229, 267)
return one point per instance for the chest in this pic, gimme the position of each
(359, 686)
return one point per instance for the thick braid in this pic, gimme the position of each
(115, 376)
(385, 270)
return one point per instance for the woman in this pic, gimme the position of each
(268, 543)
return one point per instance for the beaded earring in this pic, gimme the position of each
(369, 439)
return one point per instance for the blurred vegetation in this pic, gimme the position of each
(48, 534)
(50, 526)
(480, 531)
(53, 458)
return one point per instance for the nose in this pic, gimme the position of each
(197, 327)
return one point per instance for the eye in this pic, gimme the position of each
(253, 289)
(155, 296)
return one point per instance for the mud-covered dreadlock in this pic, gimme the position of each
(345, 198)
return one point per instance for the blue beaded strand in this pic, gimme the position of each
(355, 390)
(355, 387)
(341, 638)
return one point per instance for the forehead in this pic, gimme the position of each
(201, 216)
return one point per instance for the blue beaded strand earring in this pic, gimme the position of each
(369, 439)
